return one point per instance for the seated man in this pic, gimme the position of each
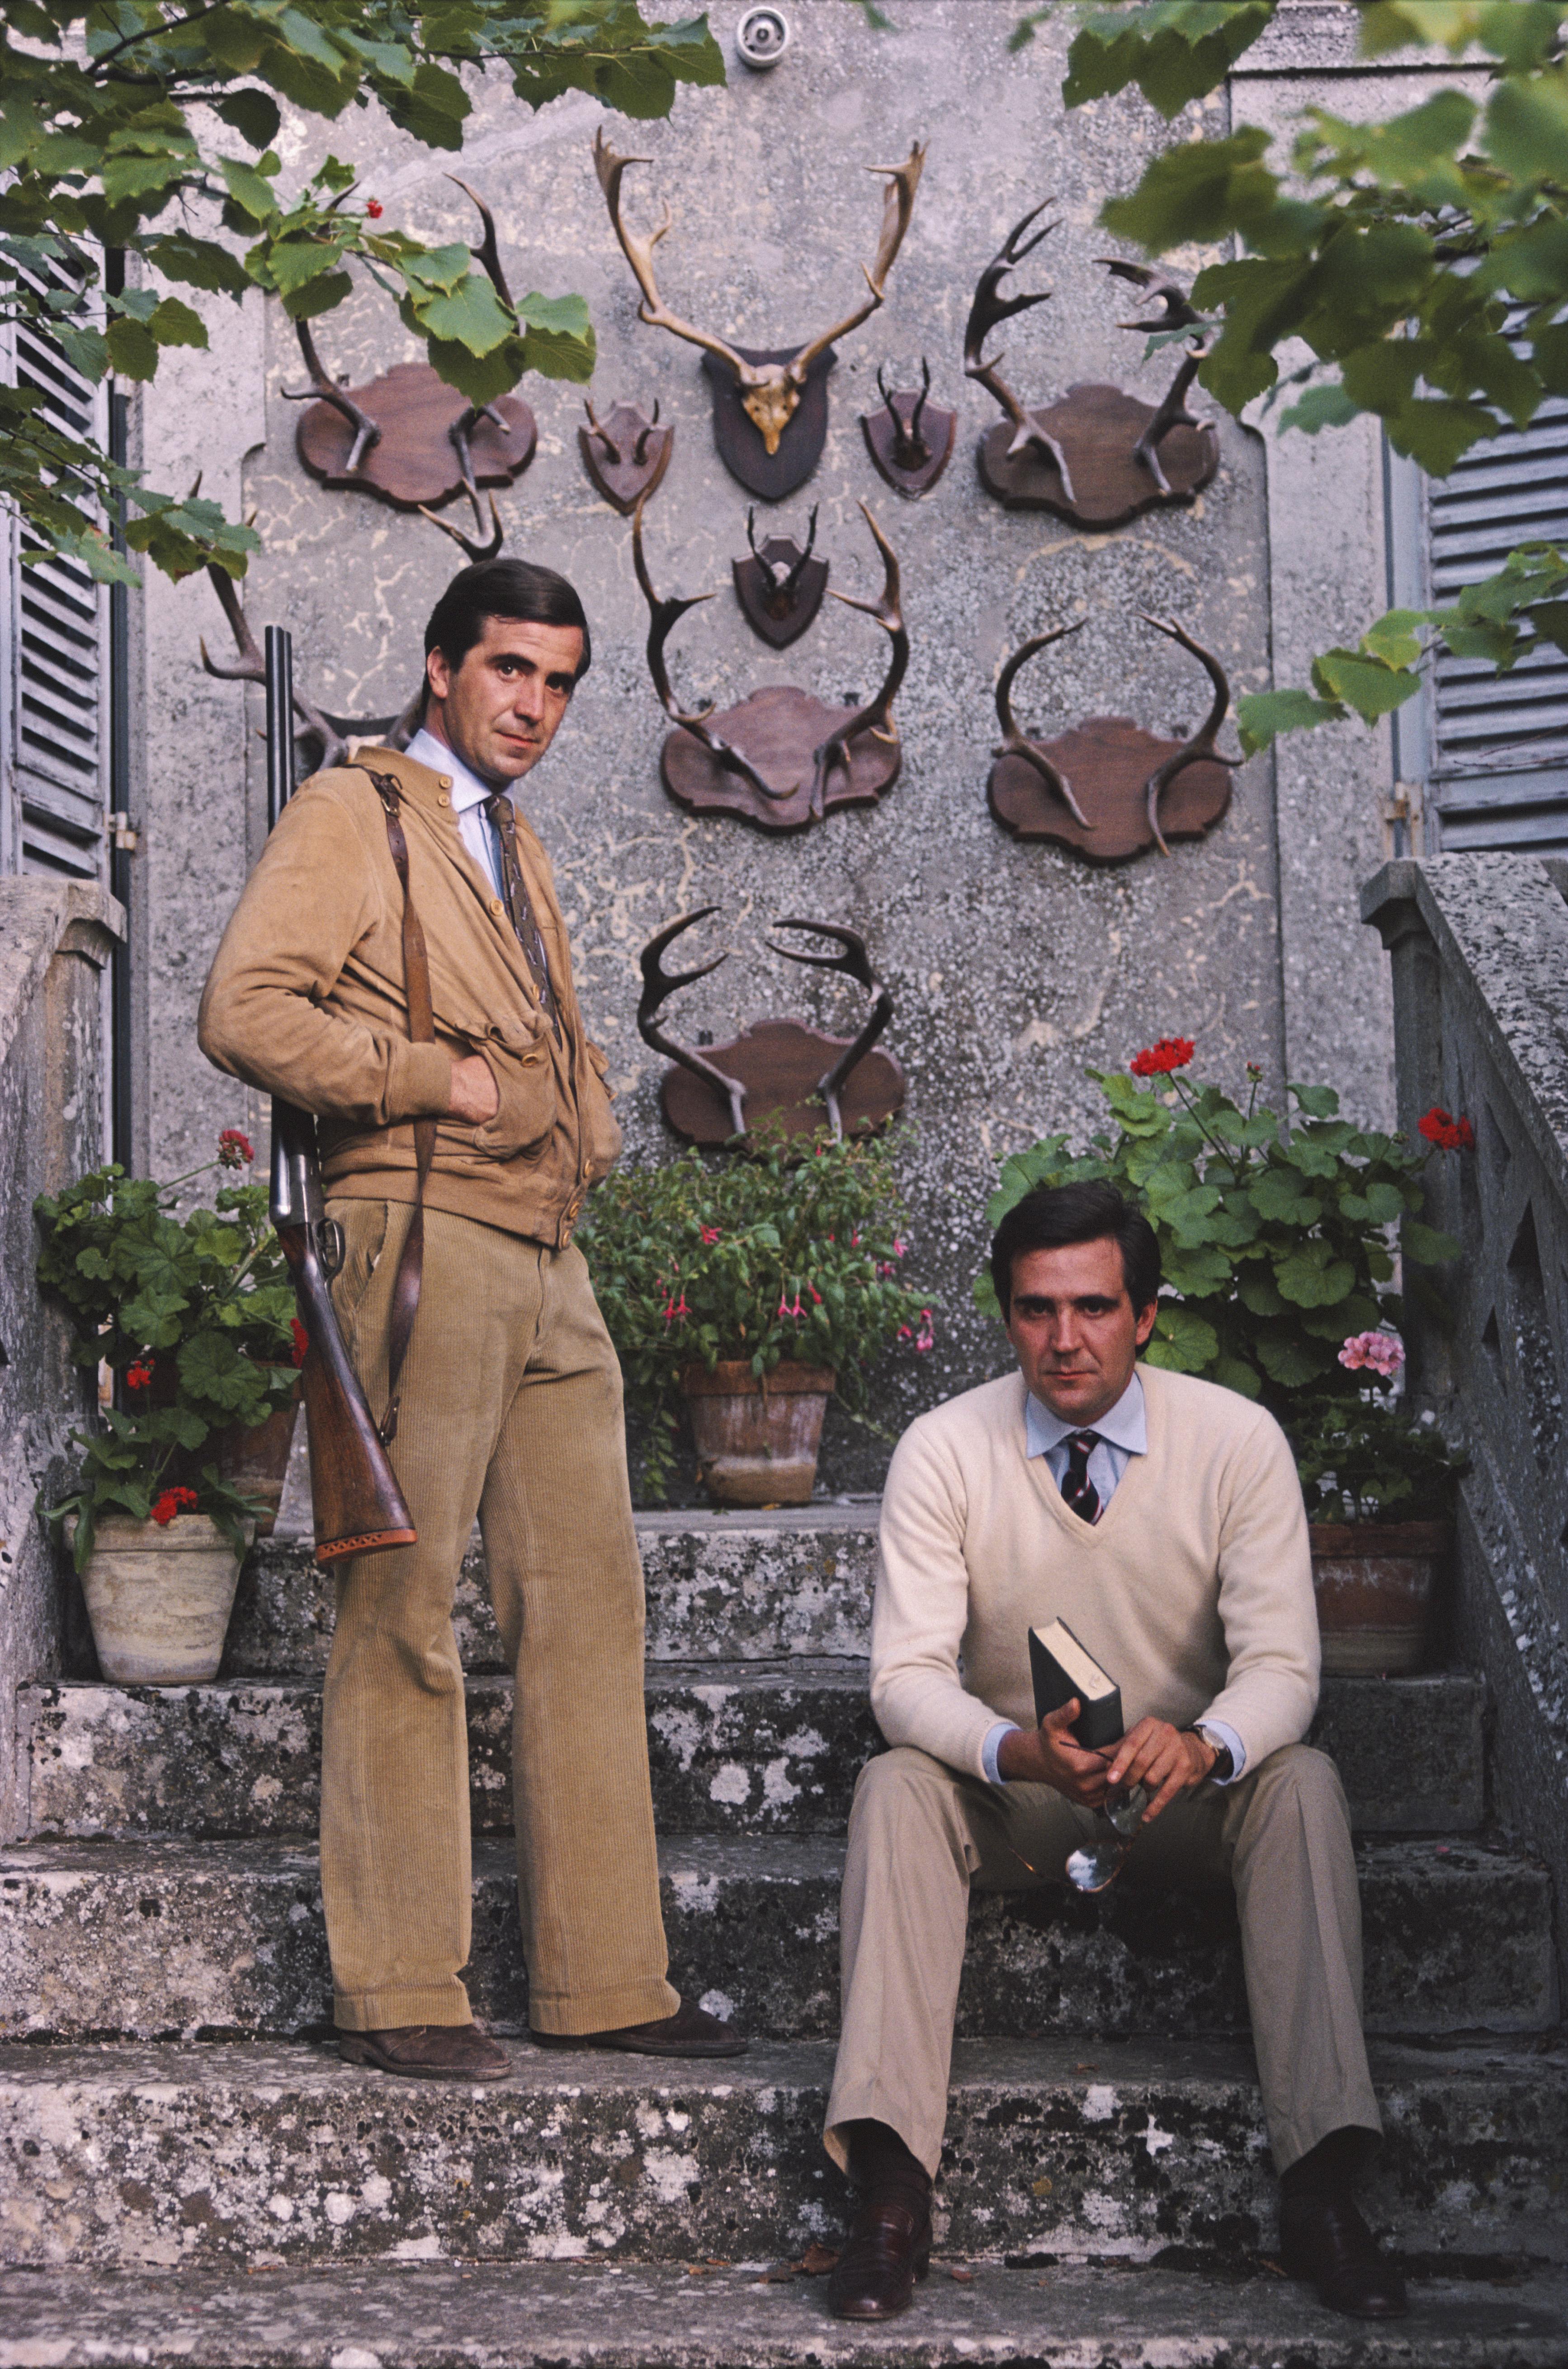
(1161, 1517)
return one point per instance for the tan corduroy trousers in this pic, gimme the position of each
(511, 1410)
(920, 1835)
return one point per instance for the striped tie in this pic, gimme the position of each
(1077, 1490)
(498, 807)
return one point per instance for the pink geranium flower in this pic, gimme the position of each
(1377, 1352)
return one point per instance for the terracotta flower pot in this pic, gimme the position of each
(255, 1462)
(756, 1442)
(1375, 1583)
(159, 1598)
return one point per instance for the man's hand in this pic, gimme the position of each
(475, 1095)
(1048, 1755)
(1164, 1759)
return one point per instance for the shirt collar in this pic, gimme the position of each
(1126, 1425)
(468, 790)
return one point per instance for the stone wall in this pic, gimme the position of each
(54, 943)
(1014, 966)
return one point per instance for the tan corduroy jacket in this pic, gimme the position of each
(306, 1000)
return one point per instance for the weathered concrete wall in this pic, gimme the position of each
(1014, 967)
(54, 942)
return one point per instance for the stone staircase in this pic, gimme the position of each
(189, 2172)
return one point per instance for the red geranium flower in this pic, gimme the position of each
(1449, 1134)
(138, 1375)
(173, 1502)
(235, 1150)
(374, 209)
(1157, 1061)
(301, 1341)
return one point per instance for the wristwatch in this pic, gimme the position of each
(1224, 1761)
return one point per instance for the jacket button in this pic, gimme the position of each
(443, 800)
(496, 906)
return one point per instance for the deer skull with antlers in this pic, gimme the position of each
(770, 392)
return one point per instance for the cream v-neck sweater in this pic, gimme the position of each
(1194, 1589)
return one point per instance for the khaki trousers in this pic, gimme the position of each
(920, 1835)
(511, 1410)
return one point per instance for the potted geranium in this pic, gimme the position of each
(190, 1319)
(1278, 1237)
(750, 1290)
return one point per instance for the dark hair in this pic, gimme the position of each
(1054, 1215)
(502, 587)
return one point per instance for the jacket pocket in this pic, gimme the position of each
(524, 1079)
(601, 1132)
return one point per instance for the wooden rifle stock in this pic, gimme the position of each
(356, 1504)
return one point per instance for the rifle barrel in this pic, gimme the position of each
(279, 721)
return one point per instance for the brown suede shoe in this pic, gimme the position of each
(888, 2247)
(690, 2032)
(1323, 2239)
(428, 2051)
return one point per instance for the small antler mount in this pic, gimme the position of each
(775, 1072)
(782, 759)
(626, 453)
(1097, 456)
(910, 440)
(1109, 789)
(781, 587)
(408, 437)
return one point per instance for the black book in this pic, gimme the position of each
(1063, 1667)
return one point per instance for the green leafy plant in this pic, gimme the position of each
(1276, 1244)
(1368, 1459)
(117, 118)
(1421, 259)
(759, 1259)
(194, 1318)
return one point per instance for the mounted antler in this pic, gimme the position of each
(858, 963)
(476, 551)
(252, 669)
(1018, 744)
(658, 984)
(770, 392)
(1199, 749)
(662, 617)
(782, 577)
(1176, 312)
(989, 309)
(876, 717)
(325, 389)
(909, 447)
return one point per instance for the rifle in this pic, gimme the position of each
(356, 1503)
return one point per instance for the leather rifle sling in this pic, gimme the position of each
(422, 1031)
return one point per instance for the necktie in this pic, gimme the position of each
(499, 810)
(1077, 1490)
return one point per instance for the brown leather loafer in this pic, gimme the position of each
(428, 2051)
(688, 2032)
(1323, 2239)
(888, 2247)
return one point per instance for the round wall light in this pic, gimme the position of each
(761, 37)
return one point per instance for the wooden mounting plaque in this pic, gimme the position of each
(1097, 427)
(771, 477)
(754, 591)
(416, 462)
(623, 482)
(777, 730)
(938, 429)
(778, 1062)
(1107, 759)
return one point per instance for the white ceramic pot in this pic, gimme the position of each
(159, 1598)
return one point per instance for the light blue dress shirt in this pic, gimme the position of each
(469, 795)
(1122, 1433)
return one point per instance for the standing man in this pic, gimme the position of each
(508, 1401)
(1161, 1517)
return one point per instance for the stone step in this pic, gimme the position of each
(742, 1587)
(762, 1747)
(131, 2157)
(670, 2316)
(149, 1939)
